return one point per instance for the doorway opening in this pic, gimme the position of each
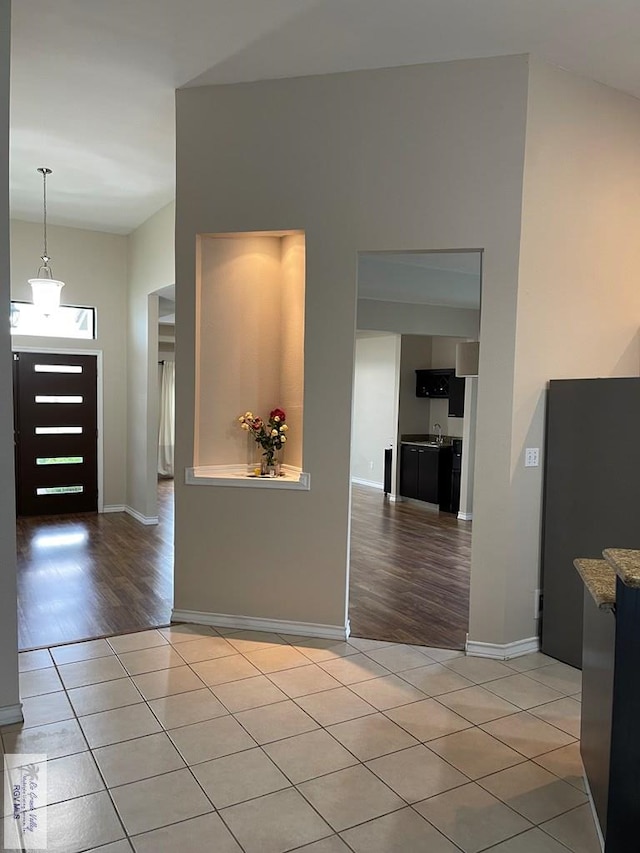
(166, 354)
(413, 442)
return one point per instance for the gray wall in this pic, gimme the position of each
(321, 154)
(9, 699)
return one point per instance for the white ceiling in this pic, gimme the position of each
(93, 80)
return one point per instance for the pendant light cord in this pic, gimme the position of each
(44, 193)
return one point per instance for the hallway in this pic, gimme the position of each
(87, 576)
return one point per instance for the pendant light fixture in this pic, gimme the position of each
(45, 289)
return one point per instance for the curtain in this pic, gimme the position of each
(166, 433)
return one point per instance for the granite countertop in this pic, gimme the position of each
(625, 563)
(427, 440)
(600, 579)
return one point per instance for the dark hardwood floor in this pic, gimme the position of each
(85, 576)
(410, 570)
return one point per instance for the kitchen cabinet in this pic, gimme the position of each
(425, 473)
(442, 384)
(433, 383)
(456, 397)
(409, 471)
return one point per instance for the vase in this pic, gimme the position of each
(270, 464)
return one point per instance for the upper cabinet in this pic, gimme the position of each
(442, 383)
(456, 397)
(433, 383)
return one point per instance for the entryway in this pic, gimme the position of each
(56, 433)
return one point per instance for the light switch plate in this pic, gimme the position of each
(531, 457)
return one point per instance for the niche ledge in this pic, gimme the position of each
(236, 475)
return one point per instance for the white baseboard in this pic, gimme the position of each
(113, 508)
(11, 714)
(465, 516)
(594, 813)
(372, 485)
(143, 519)
(251, 623)
(503, 652)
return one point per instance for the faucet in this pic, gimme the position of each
(439, 428)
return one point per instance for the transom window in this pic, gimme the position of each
(67, 321)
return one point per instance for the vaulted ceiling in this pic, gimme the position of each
(93, 80)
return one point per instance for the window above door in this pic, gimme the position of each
(68, 321)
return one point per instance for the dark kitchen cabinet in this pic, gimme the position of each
(409, 471)
(456, 397)
(456, 474)
(428, 469)
(434, 383)
(425, 474)
(442, 384)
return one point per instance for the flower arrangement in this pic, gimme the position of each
(271, 436)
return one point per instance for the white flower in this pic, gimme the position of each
(241, 419)
(277, 419)
(248, 416)
(244, 426)
(274, 432)
(283, 438)
(284, 428)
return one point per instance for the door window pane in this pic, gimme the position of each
(59, 460)
(57, 368)
(67, 398)
(61, 430)
(59, 490)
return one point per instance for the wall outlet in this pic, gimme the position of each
(531, 457)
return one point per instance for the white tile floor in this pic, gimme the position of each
(228, 741)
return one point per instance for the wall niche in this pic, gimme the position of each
(250, 295)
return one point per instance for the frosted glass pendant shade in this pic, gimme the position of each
(45, 294)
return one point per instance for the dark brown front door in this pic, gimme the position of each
(55, 401)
